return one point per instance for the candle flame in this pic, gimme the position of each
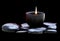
(36, 10)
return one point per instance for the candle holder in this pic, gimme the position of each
(35, 20)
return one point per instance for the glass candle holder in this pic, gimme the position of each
(35, 20)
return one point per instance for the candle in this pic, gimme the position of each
(35, 18)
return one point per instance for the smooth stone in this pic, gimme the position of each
(10, 27)
(48, 23)
(51, 25)
(35, 31)
(51, 31)
(42, 28)
(24, 26)
(21, 31)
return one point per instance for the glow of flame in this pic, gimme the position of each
(36, 10)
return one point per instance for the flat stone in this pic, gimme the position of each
(21, 31)
(24, 26)
(10, 27)
(50, 25)
(51, 31)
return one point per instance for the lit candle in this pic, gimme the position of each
(35, 18)
(36, 10)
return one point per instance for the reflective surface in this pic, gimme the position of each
(11, 27)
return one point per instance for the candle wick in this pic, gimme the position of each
(36, 10)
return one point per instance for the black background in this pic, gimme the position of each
(14, 11)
